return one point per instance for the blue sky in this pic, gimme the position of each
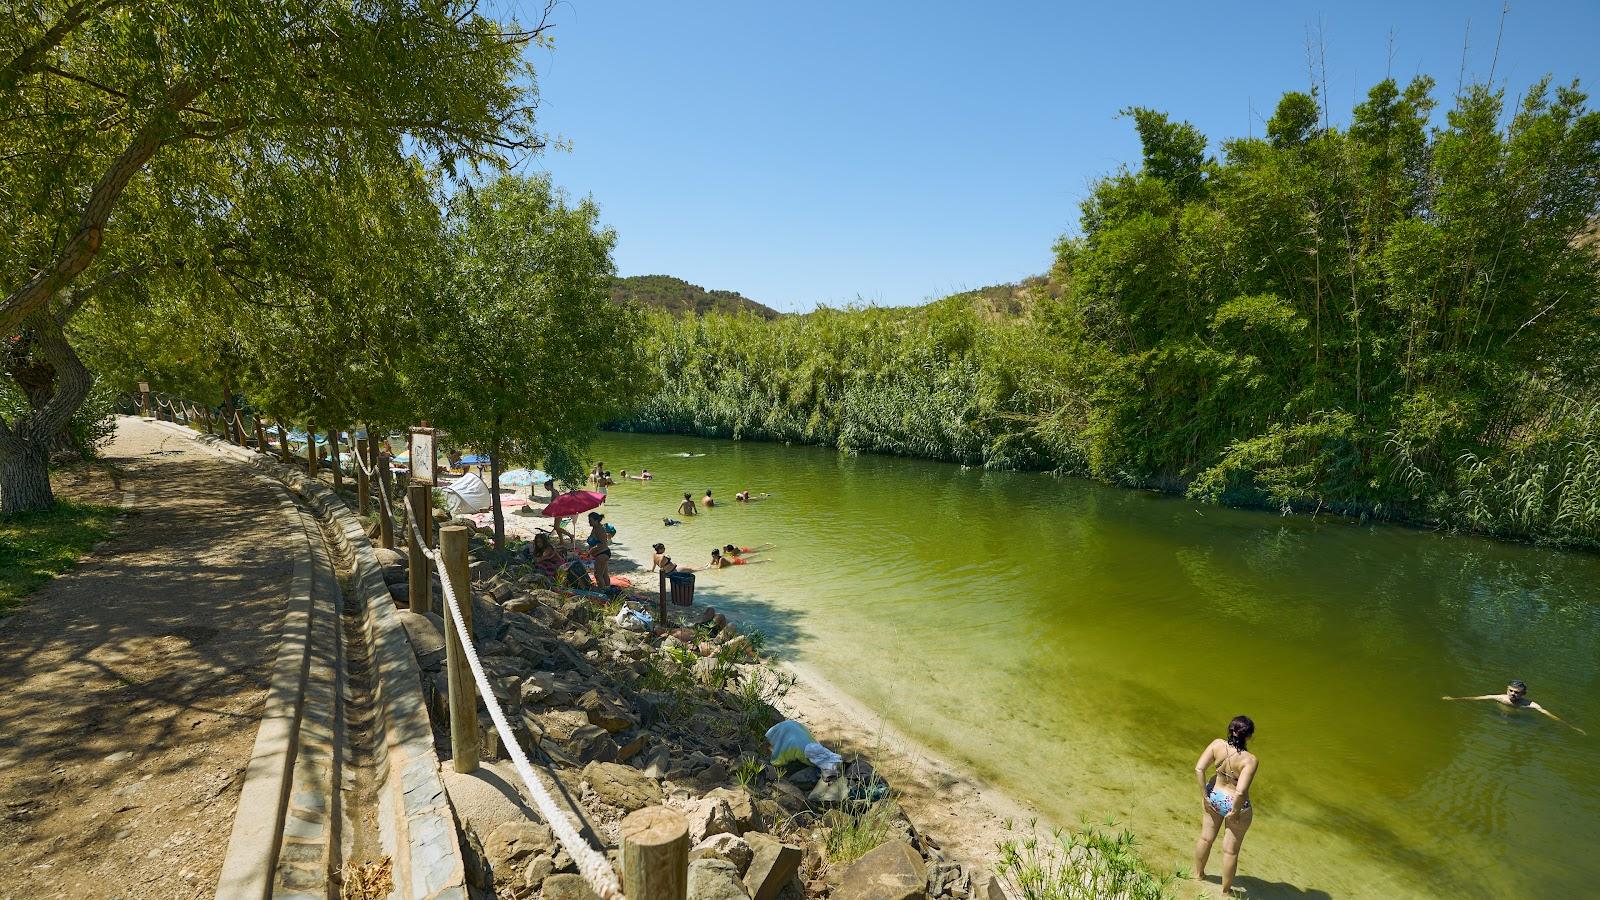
(811, 153)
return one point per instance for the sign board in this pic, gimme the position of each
(144, 387)
(422, 455)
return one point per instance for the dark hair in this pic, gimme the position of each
(1239, 731)
(716, 551)
(1517, 684)
(729, 547)
(708, 492)
(687, 495)
(659, 548)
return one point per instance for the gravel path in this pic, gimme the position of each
(129, 688)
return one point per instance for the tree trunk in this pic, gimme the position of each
(311, 450)
(494, 502)
(25, 477)
(333, 457)
(25, 444)
(283, 442)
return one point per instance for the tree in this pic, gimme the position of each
(525, 352)
(109, 102)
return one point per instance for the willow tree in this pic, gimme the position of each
(103, 98)
(526, 353)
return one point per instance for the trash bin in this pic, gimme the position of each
(682, 587)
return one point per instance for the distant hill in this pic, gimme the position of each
(679, 296)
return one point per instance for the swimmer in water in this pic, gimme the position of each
(1516, 697)
(707, 499)
(745, 496)
(731, 550)
(686, 508)
(669, 522)
(718, 561)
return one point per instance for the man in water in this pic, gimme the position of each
(687, 507)
(1516, 697)
(708, 501)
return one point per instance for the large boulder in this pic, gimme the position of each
(606, 711)
(511, 846)
(743, 807)
(425, 631)
(568, 887)
(772, 864)
(388, 557)
(729, 847)
(709, 816)
(715, 879)
(624, 787)
(891, 871)
(567, 735)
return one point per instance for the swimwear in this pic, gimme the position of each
(1218, 799)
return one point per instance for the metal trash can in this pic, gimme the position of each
(682, 587)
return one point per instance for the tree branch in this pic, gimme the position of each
(29, 59)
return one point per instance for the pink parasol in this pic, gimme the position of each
(573, 503)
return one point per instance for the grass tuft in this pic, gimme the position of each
(36, 547)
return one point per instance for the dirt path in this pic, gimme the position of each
(129, 688)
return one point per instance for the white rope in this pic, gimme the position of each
(591, 864)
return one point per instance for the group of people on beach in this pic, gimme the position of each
(1226, 769)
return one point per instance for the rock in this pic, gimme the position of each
(710, 816)
(770, 811)
(487, 798)
(401, 593)
(395, 575)
(519, 604)
(440, 515)
(788, 796)
(546, 689)
(715, 879)
(648, 705)
(480, 569)
(743, 807)
(684, 636)
(624, 787)
(989, 887)
(705, 670)
(772, 864)
(657, 766)
(567, 733)
(729, 847)
(473, 859)
(705, 615)
(605, 712)
(805, 778)
(500, 590)
(568, 887)
(891, 871)
(388, 557)
(426, 633)
(631, 749)
(738, 648)
(487, 617)
(537, 870)
(512, 845)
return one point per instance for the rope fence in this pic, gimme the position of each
(591, 864)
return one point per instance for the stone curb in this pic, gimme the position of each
(416, 826)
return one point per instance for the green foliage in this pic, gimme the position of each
(678, 296)
(1383, 318)
(1085, 864)
(855, 828)
(525, 353)
(35, 547)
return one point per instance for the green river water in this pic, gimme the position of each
(1079, 644)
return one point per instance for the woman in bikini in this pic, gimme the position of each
(546, 558)
(1226, 798)
(600, 550)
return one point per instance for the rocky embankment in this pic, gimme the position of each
(626, 718)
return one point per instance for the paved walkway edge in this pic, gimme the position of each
(416, 826)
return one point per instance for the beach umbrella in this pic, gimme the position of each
(474, 459)
(402, 458)
(522, 477)
(573, 503)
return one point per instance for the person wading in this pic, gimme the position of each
(1516, 697)
(687, 507)
(1225, 798)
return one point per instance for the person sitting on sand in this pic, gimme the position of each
(668, 566)
(547, 560)
(1516, 697)
(659, 555)
(1225, 799)
(707, 499)
(686, 508)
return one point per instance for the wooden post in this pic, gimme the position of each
(385, 509)
(311, 450)
(261, 433)
(205, 416)
(144, 399)
(655, 854)
(463, 694)
(333, 458)
(420, 498)
(363, 446)
(662, 622)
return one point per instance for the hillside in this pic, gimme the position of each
(679, 296)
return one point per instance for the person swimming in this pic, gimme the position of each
(1516, 697)
(745, 496)
(1225, 798)
(686, 508)
(669, 522)
(731, 550)
(707, 499)
(718, 561)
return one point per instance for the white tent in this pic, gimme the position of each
(467, 494)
